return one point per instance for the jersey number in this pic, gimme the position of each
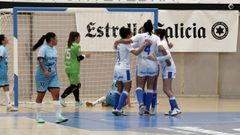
(68, 54)
(147, 49)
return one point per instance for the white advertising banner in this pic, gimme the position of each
(190, 31)
(99, 28)
(201, 31)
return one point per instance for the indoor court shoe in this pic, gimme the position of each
(168, 113)
(62, 102)
(115, 112)
(175, 112)
(146, 113)
(89, 104)
(11, 109)
(153, 111)
(141, 109)
(78, 103)
(61, 119)
(40, 120)
(119, 112)
(122, 113)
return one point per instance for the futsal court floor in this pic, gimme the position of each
(201, 116)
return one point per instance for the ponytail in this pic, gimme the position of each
(46, 37)
(148, 27)
(39, 43)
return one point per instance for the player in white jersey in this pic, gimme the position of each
(168, 71)
(147, 70)
(4, 82)
(122, 70)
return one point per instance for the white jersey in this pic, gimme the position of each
(122, 67)
(164, 66)
(139, 39)
(123, 51)
(146, 67)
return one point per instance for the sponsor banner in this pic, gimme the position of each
(201, 31)
(190, 31)
(99, 28)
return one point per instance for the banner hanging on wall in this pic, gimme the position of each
(190, 31)
(99, 28)
(201, 31)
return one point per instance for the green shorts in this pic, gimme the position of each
(73, 78)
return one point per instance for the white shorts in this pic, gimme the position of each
(147, 70)
(169, 72)
(122, 74)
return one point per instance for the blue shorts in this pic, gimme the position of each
(43, 84)
(4, 80)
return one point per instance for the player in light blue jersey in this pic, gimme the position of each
(4, 82)
(46, 75)
(108, 99)
(122, 70)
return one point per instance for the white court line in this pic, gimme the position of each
(176, 131)
(237, 129)
(205, 131)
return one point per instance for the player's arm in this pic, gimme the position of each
(162, 49)
(164, 52)
(137, 51)
(165, 57)
(159, 58)
(83, 56)
(123, 41)
(170, 45)
(133, 39)
(80, 56)
(42, 65)
(40, 57)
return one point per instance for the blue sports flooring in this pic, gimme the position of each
(222, 122)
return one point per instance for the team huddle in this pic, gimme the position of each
(152, 51)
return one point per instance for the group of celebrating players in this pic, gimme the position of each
(152, 51)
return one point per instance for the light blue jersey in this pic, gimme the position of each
(3, 66)
(49, 54)
(110, 94)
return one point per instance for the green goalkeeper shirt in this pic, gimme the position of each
(72, 65)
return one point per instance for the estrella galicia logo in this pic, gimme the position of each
(219, 30)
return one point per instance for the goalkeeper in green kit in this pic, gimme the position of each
(73, 56)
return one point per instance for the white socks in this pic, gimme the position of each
(38, 109)
(100, 100)
(58, 108)
(8, 99)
